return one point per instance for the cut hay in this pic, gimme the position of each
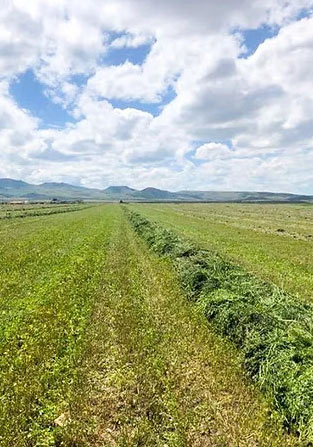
(273, 330)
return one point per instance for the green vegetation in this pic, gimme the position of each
(272, 329)
(248, 234)
(100, 347)
(48, 281)
(152, 373)
(10, 211)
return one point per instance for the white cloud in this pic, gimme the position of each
(132, 41)
(210, 151)
(264, 101)
(262, 104)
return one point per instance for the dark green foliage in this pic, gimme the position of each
(271, 328)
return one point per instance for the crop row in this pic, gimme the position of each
(44, 211)
(272, 329)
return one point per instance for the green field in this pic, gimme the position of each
(100, 345)
(273, 241)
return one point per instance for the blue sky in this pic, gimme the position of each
(252, 38)
(29, 93)
(175, 97)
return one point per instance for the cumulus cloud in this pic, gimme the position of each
(210, 151)
(262, 103)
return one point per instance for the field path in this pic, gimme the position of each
(153, 373)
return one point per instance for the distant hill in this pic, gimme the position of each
(16, 189)
(119, 192)
(156, 194)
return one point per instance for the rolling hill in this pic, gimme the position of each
(16, 189)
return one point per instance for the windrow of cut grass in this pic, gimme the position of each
(271, 328)
(7, 212)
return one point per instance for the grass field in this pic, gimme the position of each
(99, 345)
(49, 276)
(273, 241)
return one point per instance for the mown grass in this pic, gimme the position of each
(154, 373)
(288, 220)
(99, 346)
(273, 330)
(247, 234)
(32, 210)
(48, 282)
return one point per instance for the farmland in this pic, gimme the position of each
(109, 338)
(273, 241)
(11, 211)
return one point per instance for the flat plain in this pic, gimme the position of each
(100, 345)
(273, 241)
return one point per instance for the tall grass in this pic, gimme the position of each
(272, 329)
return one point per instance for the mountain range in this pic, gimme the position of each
(16, 189)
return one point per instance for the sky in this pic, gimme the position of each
(173, 94)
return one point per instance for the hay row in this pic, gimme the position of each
(273, 330)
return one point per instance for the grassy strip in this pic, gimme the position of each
(44, 211)
(152, 373)
(273, 330)
(43, 322)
